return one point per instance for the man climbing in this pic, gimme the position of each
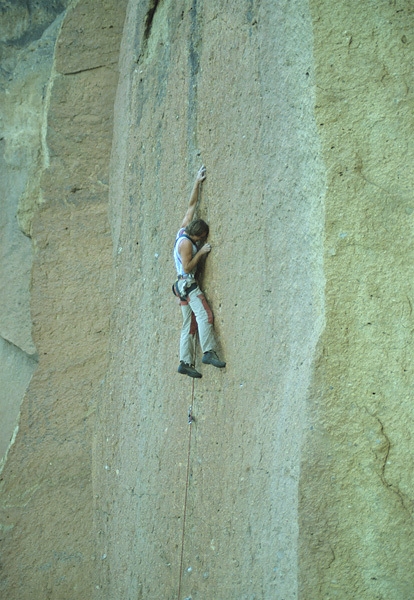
(190, 246)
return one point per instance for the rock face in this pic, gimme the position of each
(356, 491)
(46, 509)
(244, 107)
(27, 48)
(293, 481)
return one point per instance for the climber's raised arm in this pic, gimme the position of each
(189, 215)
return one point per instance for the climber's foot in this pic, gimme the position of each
(186, 369)
(211, 358)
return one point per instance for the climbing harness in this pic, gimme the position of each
(183, 286)
(190, 421)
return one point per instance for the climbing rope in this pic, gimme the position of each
(190, 421)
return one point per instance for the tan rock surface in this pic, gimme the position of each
(231, 87)
(21, 119)
(46, 509)
(15, 374)
(356, 478)
(26, 63)
(295, 479)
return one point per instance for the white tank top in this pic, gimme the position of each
(177, 258)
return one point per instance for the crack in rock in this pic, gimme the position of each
(149, 18)
(391, 486)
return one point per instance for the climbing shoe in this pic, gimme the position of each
(189, 370)
(211, 358)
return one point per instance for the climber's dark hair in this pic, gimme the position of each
(197, 227)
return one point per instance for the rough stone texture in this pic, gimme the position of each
(298, 462)
(24, 73)
(356, 477)
(22, 95)
(231, 86)
(46, 509)
(15, 373)
(24, 21)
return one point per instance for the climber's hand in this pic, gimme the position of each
(201, 175)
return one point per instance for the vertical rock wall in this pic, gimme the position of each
(46, 494)
(356, 480)
(26, 57)
(229, 85)
(294, 479)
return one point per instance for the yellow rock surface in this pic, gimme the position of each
(294, 481)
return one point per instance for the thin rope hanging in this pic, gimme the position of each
(190, 421)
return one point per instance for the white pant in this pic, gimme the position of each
(197, 315)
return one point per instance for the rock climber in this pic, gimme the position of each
(190, 246)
